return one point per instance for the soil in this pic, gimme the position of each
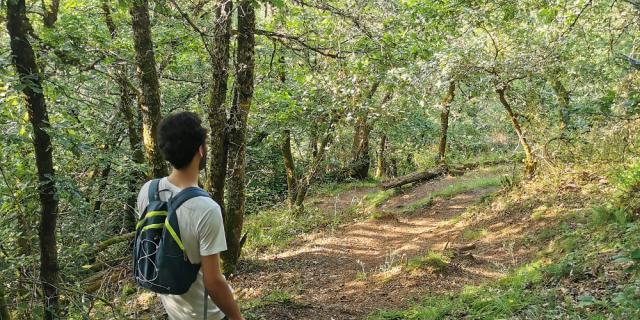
(362, 267)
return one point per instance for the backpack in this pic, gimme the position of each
(159, 261)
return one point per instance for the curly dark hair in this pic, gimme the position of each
(179, 137)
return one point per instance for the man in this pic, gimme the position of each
(181, 139)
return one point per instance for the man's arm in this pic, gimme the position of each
(217, 287)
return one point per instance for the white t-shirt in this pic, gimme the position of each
(202, 234)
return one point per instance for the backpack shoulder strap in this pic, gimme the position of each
(184, 195)
(153, 190)
(174, 203)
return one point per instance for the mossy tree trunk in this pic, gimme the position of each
(290, 169)
(360, 159)
(217, 110)
(530, 162)
(444, 121)
(305, 182)
(24, 60)
(287, 155)
(563, 102)
(381, 166)
(149, 99)
(234, 214)
(131, 119)
(4, 309)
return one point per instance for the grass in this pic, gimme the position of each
(332, 189)
(506, 299)
(277, 228)
(474, 234)
(275, 297)
(436, 261)
(453, 190)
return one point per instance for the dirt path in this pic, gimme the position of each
(362, 267)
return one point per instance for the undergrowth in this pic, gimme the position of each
(588, 267)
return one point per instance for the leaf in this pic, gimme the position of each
(586, 300)
(635, 254)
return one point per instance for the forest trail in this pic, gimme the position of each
(361, 267)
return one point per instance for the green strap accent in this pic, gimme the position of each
(173, 234)
(150, 214)
(153, 226)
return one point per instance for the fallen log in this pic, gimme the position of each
(474, 165)
(414, 177)
(437, 173)
(464, 247)
(101, 246)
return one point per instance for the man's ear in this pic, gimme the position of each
(201, 151)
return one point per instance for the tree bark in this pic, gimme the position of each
(50, 14)
(290, 169)
(393, 168)
(4, 309)
(313, 142)
(24, 60)
(360, 160)
(234, 215)
(287, 155)
(305, 182)
(149, 99)
(444, 121)
(217, 113)
(381, 168)
(530, 161)
(414, 177)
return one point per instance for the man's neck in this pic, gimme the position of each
(187, 177)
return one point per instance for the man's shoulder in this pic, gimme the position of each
(145, 186)
(201, 204)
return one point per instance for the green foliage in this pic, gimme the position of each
(472, 235)
(608, 214)
(315, 65)
(436, 261)
(275, 297)
(511, 297)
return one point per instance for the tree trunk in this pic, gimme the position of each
(4, 310)
(305, 182)
(131, 119)
(50, 15)
(313, 142)
(413, 177)
(217, 112)
(393, 168)
(381, 168)
(529, 161)
(563, 102)
(24, 61)
(444, 121)
(289, 165)
(360, 160)
(135, 143)
(149, 99)
(234, 215)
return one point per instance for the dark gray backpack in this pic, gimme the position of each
(159, 261)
